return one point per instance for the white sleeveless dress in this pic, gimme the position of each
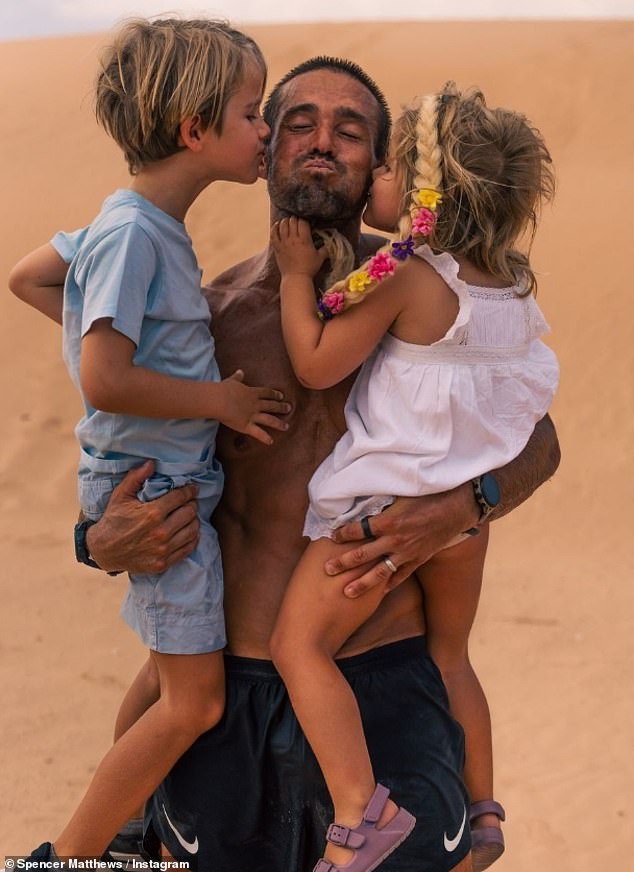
(423, 419)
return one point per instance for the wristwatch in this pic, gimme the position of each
(487, 494)
(82, 554)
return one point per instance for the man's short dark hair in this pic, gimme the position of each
(349, 68)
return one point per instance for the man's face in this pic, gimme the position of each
(322, 147)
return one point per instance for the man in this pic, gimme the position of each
(249, 797)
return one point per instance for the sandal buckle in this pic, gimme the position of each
(344, 836)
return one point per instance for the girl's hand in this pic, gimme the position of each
(294, 249)
(248, 409)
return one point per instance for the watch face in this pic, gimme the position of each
(490, 489)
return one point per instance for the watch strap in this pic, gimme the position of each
(82, 554)
(486, 507)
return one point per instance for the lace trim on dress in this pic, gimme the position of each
(488, 293)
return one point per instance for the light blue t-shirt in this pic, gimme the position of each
(135, 264)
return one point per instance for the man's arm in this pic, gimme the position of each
(536, 464)
(412, 529)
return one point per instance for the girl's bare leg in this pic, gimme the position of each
(314, 621)
(191, 702)
(451, 583)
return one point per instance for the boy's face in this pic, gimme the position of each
(322, 150)
(236, 154)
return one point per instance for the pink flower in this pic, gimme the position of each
(333, 301)
(423, 222)
(381, 265)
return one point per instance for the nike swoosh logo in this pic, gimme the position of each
(190, 847)
(452, 844)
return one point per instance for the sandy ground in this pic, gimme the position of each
(553, 641)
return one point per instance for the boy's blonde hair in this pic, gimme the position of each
(492, 172)
(157, 73)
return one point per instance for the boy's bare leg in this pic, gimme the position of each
(191, 702)
(142, 693)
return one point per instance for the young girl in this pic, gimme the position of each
(181, 98)
(454, 380)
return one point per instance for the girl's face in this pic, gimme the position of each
(385, 198)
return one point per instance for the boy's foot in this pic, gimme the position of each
(487, 839)
(45, 854)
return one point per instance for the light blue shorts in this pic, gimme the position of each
(179, 611)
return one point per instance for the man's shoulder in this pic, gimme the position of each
(243, 276)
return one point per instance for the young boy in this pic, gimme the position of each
(181, 98)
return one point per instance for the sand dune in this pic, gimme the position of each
(553, 640)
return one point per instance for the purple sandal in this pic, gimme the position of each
(371, 846)
(487, 843)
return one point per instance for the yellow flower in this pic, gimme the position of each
(359, 281)
(428, 197)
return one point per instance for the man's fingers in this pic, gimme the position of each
(174, 500)
(182, 517)
(380, 574)
(183, 542)
(352, 532)
(366, 552)
(133, 481)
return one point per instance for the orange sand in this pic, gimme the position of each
(553, 641)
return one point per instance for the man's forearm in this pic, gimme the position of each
(536, 464)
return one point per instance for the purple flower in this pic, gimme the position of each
(403, 249)
(323, 311)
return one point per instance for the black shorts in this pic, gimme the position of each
(249, 796)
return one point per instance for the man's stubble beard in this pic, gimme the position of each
(315, 201)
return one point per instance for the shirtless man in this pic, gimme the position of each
(248, 796)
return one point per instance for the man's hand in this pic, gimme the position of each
(408, 532)
(144, 537)
(412, 529)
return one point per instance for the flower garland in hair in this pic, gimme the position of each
(384, 262)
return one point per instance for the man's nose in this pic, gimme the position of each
(324, 139)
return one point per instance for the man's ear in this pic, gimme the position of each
(190, 132)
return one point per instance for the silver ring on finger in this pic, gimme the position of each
(390, 565)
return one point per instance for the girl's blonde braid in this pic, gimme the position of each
(427, 173)
(428, 163)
